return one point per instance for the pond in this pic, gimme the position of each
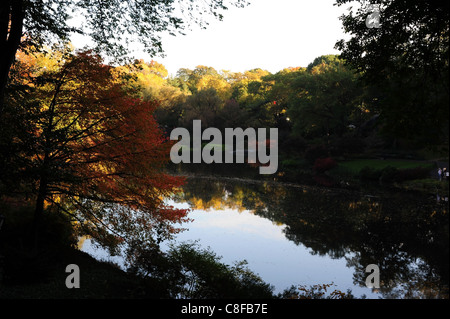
(306, 235)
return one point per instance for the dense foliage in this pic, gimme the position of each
(81, 142)
(87, 140)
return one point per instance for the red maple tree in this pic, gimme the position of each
(96, 152)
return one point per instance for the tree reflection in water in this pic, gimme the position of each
(404, 233)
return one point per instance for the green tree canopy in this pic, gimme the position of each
(406, 60)
(323, 98)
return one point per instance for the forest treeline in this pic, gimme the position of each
(85, 144)
(322, 109)
(324, 112)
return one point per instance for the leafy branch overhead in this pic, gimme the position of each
(113, 25)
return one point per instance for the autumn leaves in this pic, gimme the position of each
(90, 148)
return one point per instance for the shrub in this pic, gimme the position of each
(412, 174)
(322, 165)
(27, 261)
(293, 164)
(292, 145)
(389, 174)
(324, 180)
(187, 271)
(314, 152)
(351, 145)
(369, 174)
(315, 292)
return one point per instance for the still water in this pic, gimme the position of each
(304, 235)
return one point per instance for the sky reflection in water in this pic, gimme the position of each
(302, 236)
(236, 236)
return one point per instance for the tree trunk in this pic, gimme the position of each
(39, 210)
(11, 27)
(44, 174)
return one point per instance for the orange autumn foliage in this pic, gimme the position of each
(99, 153)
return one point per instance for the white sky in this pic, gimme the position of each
(267, 34)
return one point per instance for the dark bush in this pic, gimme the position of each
(369, 174)
(26, 259)
(314, 152)
(188, 271)
(350, 145)
(412, 174)
(389, 174)
(324, 180)
(322, 165)
(294, 146)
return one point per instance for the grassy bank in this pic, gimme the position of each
(427, 185)
(360, 173)
(355, 166)
(98, 280)
(27, 272)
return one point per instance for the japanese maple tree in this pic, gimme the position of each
(94, 151)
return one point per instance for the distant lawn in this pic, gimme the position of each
(210, 146)
(355, 166)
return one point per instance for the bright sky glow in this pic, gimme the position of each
(267, 34)
(241, 235)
